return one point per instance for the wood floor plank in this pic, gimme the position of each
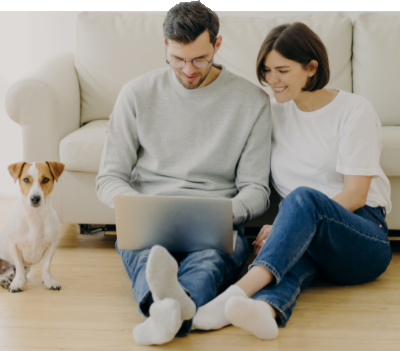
(95, 309)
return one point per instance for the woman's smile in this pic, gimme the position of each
(278, 90)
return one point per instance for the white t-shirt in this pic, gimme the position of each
(316, 149)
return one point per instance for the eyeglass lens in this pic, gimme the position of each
(199, 63)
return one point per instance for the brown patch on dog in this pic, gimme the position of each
(56, 169)
(45, 178)
(5, 266)
(16, 169)
(20, 170)
(47, 173)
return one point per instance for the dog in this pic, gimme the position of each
(7, 272)
(32, 228)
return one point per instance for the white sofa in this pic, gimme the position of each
(63, 107)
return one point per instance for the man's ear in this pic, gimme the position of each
(16, 169)
(165, 40)
(218, 44)
(56, 169)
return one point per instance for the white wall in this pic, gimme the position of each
(28, 39)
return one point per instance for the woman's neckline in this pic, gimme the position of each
(321, 109)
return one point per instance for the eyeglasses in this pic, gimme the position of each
(179, 63)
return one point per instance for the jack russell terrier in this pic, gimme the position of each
(32, 228)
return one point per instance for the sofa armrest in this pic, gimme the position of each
(47, 106)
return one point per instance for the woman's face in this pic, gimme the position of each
(286, 77)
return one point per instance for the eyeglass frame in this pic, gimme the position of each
(185, 61)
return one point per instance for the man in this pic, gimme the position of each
(191, 129)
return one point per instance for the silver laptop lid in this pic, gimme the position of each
(181, 224)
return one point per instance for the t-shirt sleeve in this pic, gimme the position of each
(360, 142)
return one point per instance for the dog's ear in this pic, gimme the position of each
(56, 169)
(16, 169)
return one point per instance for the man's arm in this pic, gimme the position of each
(120, 151)
(253, 169)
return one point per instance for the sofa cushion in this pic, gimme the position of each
(81, 150)
(242, 38)
(376, 56)
(113, 48)
(390, 156)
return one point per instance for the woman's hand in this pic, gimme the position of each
(261, 238)
(108, 124)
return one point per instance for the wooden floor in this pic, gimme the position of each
(95, 310)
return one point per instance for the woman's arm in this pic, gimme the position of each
(354, 193)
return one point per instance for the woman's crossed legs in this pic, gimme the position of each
(311, 235)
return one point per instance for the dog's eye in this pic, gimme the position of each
(26, 180)
(45, 180)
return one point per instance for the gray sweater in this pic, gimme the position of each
(210, 142)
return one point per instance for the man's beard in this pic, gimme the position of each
(191, 85)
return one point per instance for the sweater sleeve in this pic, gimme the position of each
(252, 173)
(120, 151)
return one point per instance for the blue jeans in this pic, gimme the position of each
(313, 236)
(202, 274)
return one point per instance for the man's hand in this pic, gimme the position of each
(261, 237)
(108, 124)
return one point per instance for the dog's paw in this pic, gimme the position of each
(51, 284)
(5, 283)
(16, 285)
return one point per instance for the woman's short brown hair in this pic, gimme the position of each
(299, 43)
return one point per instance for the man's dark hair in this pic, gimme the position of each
(296, 42)
(187, 20)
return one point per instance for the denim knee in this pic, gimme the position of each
(302, 194)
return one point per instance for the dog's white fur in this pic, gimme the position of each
(31, 231)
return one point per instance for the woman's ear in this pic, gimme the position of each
(312, 67)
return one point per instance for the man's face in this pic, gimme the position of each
(190, 76)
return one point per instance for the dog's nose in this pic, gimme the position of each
(35, 199)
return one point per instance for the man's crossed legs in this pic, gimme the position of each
(169, 294)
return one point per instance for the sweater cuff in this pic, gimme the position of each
(237, 212)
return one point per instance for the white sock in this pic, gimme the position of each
(162, 277)
(162, 325)
(253, 316)
(212, 315)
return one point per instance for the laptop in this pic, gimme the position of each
(180, 224)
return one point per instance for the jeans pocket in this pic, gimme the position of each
(381, 223)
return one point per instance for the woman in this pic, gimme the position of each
(325, 164)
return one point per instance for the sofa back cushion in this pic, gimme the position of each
(376, 57)
(111, 49)
(242, 38)
(115, 47)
